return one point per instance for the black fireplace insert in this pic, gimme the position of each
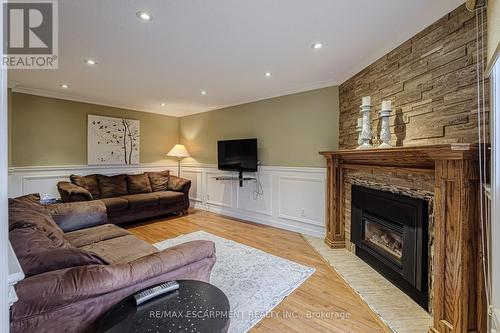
(390, 234)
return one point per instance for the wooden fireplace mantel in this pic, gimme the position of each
(458, 302)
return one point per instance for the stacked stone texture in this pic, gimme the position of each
(430, 79)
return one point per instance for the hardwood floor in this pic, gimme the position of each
(323, 303)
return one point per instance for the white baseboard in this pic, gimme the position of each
(293, 198)
(271, 221)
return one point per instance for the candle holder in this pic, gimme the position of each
(385, 131)
(366, 131)
(358, 129)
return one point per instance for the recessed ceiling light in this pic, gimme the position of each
(317, 46)
(64, 86)
(163, 104)
(144, 15)
(203, 92)
(268, 74)
(90, 62)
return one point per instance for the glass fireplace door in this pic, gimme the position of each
(386, 240)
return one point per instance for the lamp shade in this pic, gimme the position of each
(178, 151)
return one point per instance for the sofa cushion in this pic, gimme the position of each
(159, 180)
(89, 183)
(57, 258)
(142, 200)
(112, 186)
(138, 184)
(92, 235)
(121, 249)
(31, 239)
(115, 204)
(170, 197)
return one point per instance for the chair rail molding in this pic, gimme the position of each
(293, 197)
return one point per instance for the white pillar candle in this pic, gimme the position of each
(360, 122)
(367, 100)
(386, 105)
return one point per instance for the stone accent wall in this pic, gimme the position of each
(431, 80)
(412, 185)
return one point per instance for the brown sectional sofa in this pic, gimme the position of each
(77, 266)
(130, 197)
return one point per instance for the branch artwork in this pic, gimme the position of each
(113, 140)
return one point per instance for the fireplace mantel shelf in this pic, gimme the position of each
(423, 157)
(458, 288)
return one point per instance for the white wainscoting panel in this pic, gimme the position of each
(42, 184)
(292, 198)
(196, 177)
(295, 201)
(218, 192)
(249, 199)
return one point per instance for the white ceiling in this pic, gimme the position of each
(221, 46)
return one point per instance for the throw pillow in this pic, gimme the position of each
(138, 184)
(159, 180)
(114, 186)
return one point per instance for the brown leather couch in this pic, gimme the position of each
(130, 197)
(77, 266)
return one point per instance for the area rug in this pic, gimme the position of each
(254, 281)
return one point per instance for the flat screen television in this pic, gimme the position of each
(237, 155)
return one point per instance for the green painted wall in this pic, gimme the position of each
(47, 131)
(291, 129)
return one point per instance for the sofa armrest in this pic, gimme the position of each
(66, 286)
(170, 259)
(72, 216)
(179, 184)
(70, 192)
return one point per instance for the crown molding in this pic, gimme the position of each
(19, 88)
(23, 89)
(309, 87)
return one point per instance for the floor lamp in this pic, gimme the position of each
(179, 152)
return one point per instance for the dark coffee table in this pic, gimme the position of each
(196, 307)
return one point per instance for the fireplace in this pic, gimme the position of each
(390, 234)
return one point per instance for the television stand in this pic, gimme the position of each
(240, 178)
